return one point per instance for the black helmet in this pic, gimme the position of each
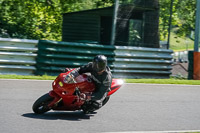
(99, 63)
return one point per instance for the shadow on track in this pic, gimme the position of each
(72, 116)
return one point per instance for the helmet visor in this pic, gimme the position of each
(99, 66)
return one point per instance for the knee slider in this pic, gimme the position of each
(96, 105)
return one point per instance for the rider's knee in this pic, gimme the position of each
(96, 105)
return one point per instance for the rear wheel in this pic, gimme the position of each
(41, 104)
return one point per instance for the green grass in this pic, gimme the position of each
(44, 77)
(146, 81)
(180, 43)
(164, 81)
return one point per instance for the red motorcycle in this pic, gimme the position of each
(70, 96)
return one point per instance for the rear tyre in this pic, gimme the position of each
(41, 104)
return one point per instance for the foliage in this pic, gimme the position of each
(183, 17)
(35, 19)
(42, 19)
(39, 19)
(187, 16)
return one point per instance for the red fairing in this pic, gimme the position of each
(84, 83)
(66, 91)
(56, 98)
(116, 84)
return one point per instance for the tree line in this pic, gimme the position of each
(183, 18)
(42, 19)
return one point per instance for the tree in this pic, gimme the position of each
(42, 19)
(183, 18)
(39, 19)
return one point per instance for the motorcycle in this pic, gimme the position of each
(71, 96)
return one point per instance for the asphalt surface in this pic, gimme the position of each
(134, 107)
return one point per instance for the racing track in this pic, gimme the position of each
(134, 107)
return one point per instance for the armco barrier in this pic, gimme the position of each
(17, 56)
(139, 62)
(125, 62)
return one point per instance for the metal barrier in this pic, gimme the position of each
(125, 62)
(140, 62)
(17, 56)
(22, 57)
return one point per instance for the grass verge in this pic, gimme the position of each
(44, 77)
(146, 81)
(164, 81)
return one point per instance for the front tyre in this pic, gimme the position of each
(41, 104)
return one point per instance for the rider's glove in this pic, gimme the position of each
(82, 96)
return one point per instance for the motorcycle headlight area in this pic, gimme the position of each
(120, 81)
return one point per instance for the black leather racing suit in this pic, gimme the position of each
(102, 82)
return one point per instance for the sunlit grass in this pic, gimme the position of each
(164, 81)
(180, 43)
(44, 77)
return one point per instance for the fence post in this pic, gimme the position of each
(190, 64)
(196, 72)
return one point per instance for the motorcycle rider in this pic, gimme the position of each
(102, 78)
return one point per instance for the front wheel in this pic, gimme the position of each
(41, 104)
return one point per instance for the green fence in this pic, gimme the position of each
(55, 56)
(124, 61)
